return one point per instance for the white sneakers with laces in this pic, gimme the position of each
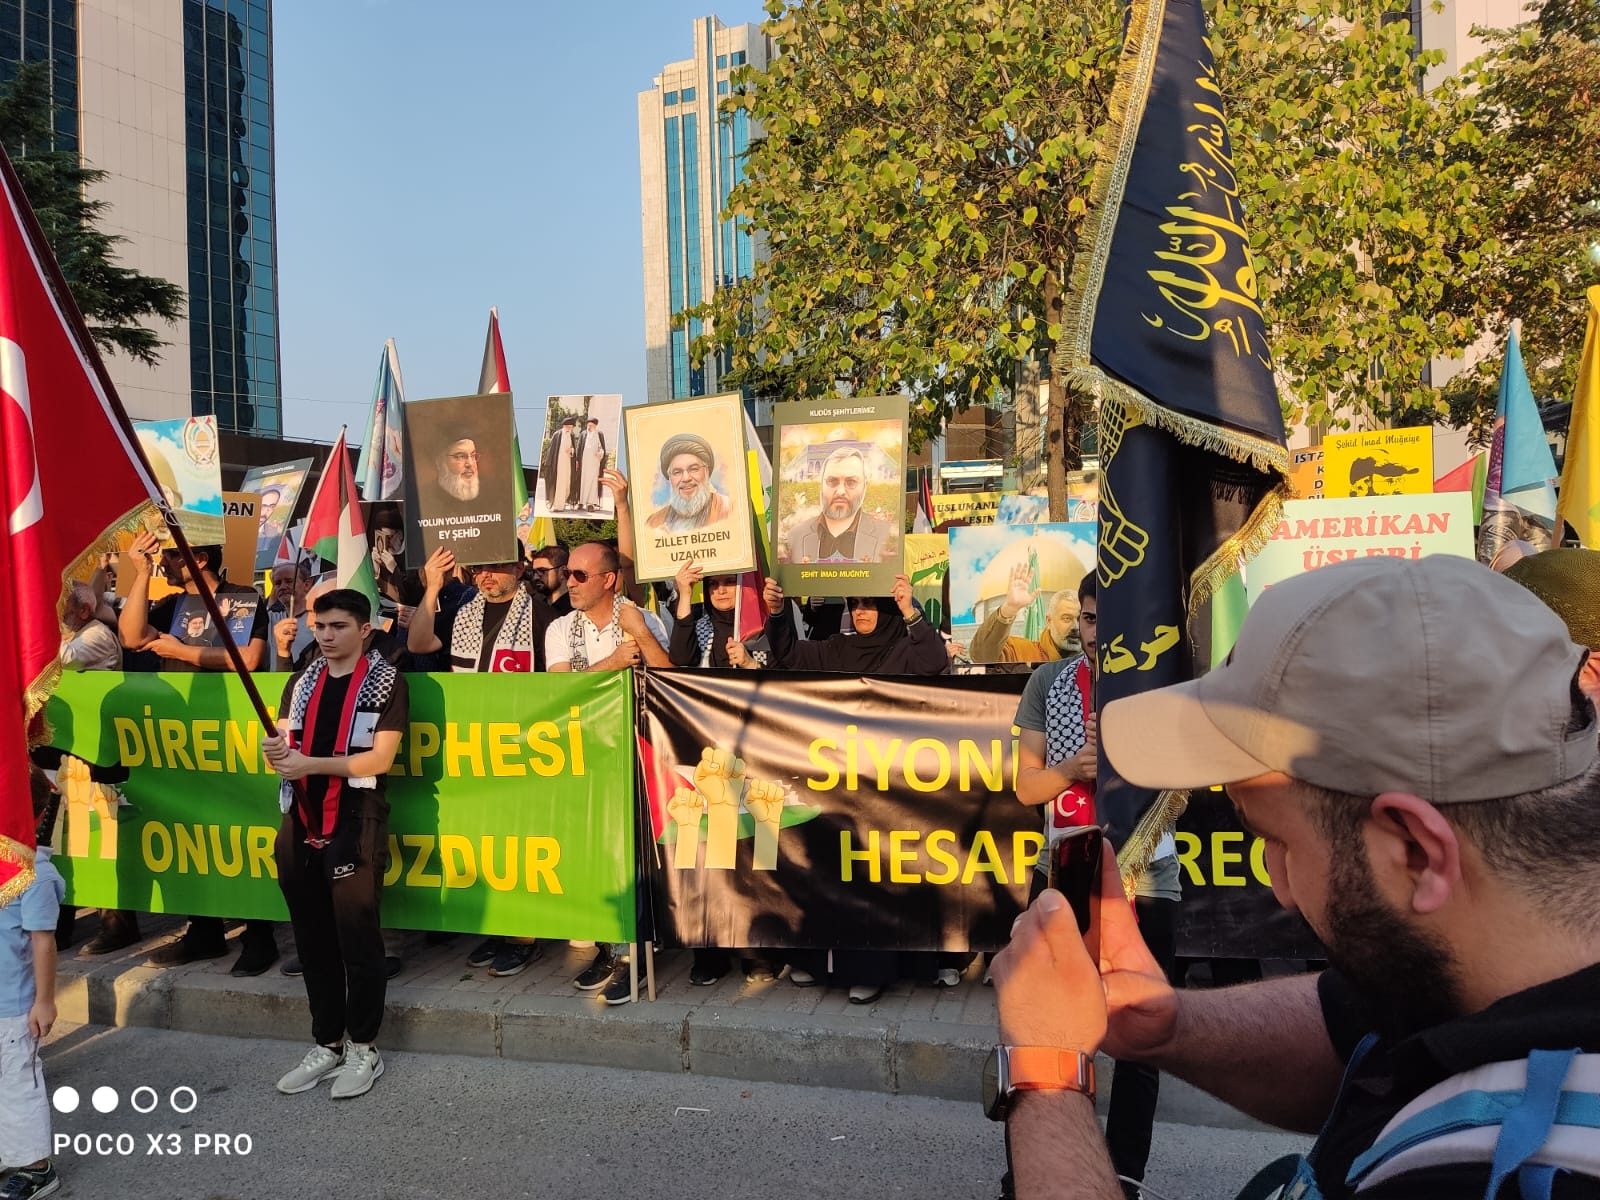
(319, 1063)
(362, 1066)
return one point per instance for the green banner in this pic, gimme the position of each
(511, 807)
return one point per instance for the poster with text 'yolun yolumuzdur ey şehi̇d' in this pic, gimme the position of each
(839, 495)
(689, 487)
(460, 478)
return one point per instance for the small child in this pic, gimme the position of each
(27, 1012)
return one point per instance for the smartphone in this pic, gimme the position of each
(1075, 873)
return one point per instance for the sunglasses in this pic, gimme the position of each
(578, 575)
(861, 602)
(498, 568)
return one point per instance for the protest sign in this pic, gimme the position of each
(982, 561)
(240, 521)
(279, 487)
(840, 495)
(1305, 473)
(197, 832)
(1313, 533)
(1083, 496)
(1378, 462)
(834, 811)
(973, 508)
(184, 455)
(1022, 509)
(580, 441)
(689, 487)
(928, 564)
(460, 480)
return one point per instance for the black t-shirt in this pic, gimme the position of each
(184, 616)
(1557, 1015)
(324, 736)
(494, 616)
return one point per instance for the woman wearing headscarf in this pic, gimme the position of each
(890, 637)
(709, 639)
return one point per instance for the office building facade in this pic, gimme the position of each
(690, 157)
(173, 100)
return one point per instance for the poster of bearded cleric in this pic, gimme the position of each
(460, 481)
(840, 495)
(580, 445)
(689, 487)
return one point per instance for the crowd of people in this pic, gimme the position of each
(1442, 842)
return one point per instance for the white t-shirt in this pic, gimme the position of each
(92, 648)
(597, 643)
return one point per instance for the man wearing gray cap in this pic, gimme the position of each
(693, 500)
(1409, 740)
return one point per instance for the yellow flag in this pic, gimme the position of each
(1579, 501)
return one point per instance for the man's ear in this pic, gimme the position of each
(1411, 836)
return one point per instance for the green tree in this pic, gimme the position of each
(922, 182)
(115, 300)
(1539, 84)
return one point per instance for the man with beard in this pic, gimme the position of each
(694, 502)
(558, 468)
(591, 457)
(492, 632)
(841, 532)
(456, 471)
(993, 641)
(1431, 812)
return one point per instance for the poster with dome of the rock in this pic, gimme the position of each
(1014, 589)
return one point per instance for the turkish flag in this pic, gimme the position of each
(71, 476)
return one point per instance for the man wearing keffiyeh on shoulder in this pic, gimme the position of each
(339, 730)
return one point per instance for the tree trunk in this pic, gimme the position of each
(1064, 416)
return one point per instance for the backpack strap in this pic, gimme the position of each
(1530, 1117)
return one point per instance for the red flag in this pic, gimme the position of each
(72, 477)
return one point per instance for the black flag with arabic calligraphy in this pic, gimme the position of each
(1165, 330)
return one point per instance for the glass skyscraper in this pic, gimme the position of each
(690, 157)
(233, 306)
(173, 100)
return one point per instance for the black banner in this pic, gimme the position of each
(1228, 907)
(832, 811)
(887, 820)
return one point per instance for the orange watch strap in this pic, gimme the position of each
(1039, 1068)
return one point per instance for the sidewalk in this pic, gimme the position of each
(919, 1040)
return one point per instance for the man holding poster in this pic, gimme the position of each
(692, 494)
(460, 481)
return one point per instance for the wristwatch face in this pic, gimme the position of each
(995, 1084)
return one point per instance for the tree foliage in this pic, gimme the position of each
(115, 300)
(922, 178)
(1539, 88)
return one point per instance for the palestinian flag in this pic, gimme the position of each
(335, 530)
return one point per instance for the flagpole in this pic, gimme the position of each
(91, 353)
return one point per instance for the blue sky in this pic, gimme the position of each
(433, 160)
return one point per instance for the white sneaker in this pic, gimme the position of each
(362, 1066)
(802, 978)
(946, 977)
(317, 1065)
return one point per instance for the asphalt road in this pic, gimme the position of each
(458, 1126)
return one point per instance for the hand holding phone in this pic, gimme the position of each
(1074, 871)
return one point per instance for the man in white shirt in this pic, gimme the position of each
(604, 632)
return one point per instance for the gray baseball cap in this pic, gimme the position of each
(1435, 677)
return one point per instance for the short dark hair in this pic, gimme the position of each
(345, 600)
(212, 556)
(555, 552)
(1086, 588)
(1544, 844)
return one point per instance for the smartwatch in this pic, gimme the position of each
(1012, 1069)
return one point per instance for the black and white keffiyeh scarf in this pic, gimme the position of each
(610, 634)
(513, 644)
(1065, 704)
(371, 687)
